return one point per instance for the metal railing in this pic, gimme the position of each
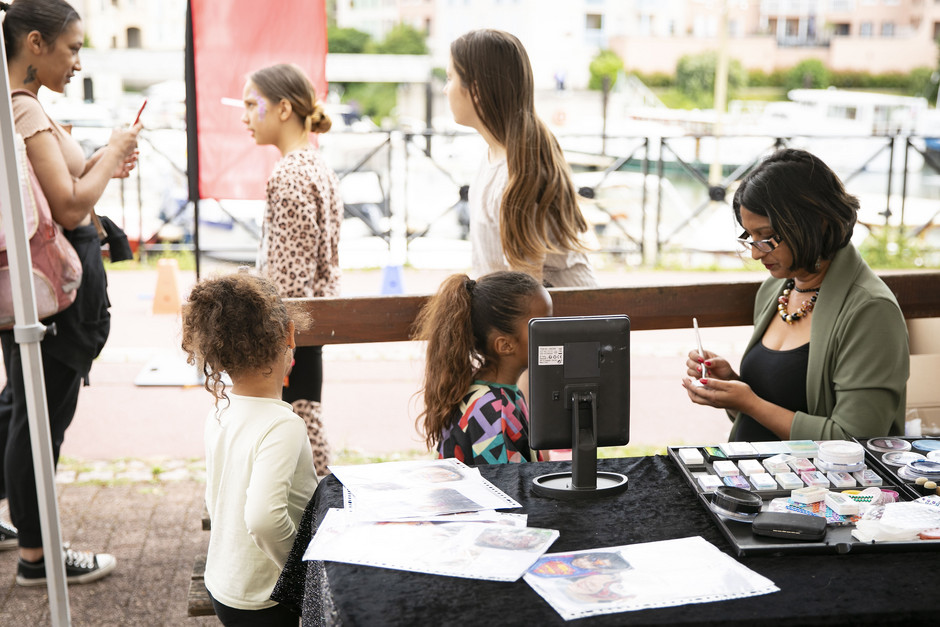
(422, 179)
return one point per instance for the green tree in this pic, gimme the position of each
(347, 40)
(606, 63)
(922, 81)
(376, 100)
(807, 74)
(402, 39)
(695, 77)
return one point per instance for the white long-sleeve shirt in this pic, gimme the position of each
(570, 269)
(259, 478)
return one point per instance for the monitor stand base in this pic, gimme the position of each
(559, 486)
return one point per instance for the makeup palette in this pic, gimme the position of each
(905, 460)
(833, 480)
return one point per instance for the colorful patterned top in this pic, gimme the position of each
(490, 426)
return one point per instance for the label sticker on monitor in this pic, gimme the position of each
(551, 355)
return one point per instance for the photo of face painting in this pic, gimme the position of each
(512, 538)
(436, 474)
(580, 564)
(599, 588)
(445, 501)
(382, 486)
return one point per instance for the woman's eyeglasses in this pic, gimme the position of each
(764, 245)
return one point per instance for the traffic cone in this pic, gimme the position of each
(166, 299)
(392, 281)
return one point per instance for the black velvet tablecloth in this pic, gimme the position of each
(854, 589)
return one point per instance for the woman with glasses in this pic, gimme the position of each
(829, 357)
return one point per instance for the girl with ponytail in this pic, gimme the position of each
(524, 213)
(477, 347)
(300, 232)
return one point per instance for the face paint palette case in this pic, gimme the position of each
(912, 463)
(738, 483)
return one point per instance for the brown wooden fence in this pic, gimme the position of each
(390, 318)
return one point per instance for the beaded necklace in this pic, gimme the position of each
(784, 300)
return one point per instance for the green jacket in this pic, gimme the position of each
(859, 360)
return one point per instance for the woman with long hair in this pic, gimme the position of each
(524, 213)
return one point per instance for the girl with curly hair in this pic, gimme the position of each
(259, 469)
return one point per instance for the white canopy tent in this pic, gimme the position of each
(28, 332)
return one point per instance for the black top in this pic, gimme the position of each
(778, 377)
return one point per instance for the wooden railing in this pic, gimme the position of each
(390, 318)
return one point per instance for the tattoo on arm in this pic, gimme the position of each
(30, 75)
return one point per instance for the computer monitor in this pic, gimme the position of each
(579, 398)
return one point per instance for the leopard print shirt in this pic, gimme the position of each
(300, 233)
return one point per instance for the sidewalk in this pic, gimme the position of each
(154, 531)
(131, 478)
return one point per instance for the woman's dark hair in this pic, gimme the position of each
(49, 17)
(806, 202)
(235, 324)
(457, 324)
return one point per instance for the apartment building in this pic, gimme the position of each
(651, 35)
(134, 24)
(130, 44)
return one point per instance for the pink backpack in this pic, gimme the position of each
(57, 270)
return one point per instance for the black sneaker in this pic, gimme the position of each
(80, 567)
(8, 537)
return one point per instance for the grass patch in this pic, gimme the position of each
(185, 259)
(351, 457)
(630, 450)
(888, 248)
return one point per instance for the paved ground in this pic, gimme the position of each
(155, 532)
(130, 479)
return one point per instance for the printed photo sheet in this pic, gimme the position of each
(642, 576)
(473, 550)
(418, 489)
(483, 515)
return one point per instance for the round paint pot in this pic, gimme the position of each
(735, 504)
(888, 445)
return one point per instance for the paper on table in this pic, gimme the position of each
(418, 489)
(642, 576)
(483, 515)
(472, 550)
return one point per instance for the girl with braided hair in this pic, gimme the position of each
(300, 232)
(477, 347)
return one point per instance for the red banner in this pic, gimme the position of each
(231, 39)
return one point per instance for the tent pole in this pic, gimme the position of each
(192, 140)
(28, 332)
